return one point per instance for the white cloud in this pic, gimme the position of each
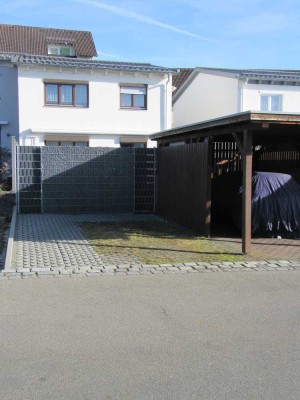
(141, 18)
(102, 54)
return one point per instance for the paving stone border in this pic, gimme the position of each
(147, 269)
(53, 246)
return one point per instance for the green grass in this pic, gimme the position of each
(155, 242)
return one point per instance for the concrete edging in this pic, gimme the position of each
(10, 242)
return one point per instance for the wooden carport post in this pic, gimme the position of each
(245, 147)
(209, 142)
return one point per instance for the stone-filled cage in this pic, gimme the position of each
(53, 179)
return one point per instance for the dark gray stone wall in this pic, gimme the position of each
(29, 179)
(87, 180)
(83, 180)
(145, 179)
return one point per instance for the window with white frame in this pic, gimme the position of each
(133, 97)
(57, 50)
(271, 103)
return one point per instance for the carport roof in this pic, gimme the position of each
(248, 120)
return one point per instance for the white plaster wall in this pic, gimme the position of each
(208, 96)
(290, 96)
(8, 103)
(112, 141)
(103, 116)
(94, 140)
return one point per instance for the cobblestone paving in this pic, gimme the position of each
(54, 246)
(264, 248)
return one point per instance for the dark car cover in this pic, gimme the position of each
(275, 204)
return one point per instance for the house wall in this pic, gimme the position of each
(8, 103)
(103, 121)
(252, 93)
(208, 96)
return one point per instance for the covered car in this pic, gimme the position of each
(275, 205)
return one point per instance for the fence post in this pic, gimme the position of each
(154, 180)
(134, 182)
(41, 165)
(14, 163)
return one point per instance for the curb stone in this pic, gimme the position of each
(146, 269)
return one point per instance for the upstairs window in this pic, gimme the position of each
(134, 97)
(65, 51)
(272, 103)
(66, 94)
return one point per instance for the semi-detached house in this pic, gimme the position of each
(54, 93)
(202, 94)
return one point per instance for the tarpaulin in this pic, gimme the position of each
(275, 204)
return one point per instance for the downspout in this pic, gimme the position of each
(166, 101)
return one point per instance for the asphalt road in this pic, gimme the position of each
(198, 336)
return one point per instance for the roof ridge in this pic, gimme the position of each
(44, 27)
(247, 69)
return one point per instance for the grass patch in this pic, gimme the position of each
(155, 242)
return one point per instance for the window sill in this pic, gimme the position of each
(63, 106)
(133, 109)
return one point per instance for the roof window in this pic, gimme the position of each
(59, 50)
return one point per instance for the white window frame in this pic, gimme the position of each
(55, 50)
(270, 96)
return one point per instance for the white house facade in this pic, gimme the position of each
(53, 92)
(95, 106)
(90, 103)
(211, 93)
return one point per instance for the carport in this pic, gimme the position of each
(248, 130)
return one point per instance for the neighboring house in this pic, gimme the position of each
(9, 122)
(207, 93)
(64, 97)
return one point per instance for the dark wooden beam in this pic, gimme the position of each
(215, 132)
(247, 191)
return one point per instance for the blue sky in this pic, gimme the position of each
(176, 33)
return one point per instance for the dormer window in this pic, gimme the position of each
(60, 50)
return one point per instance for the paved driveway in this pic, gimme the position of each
(168, 337)
(54, 245)
(51, 240)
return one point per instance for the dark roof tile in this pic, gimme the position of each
(257, 73)
(69, 62)
(178, 80)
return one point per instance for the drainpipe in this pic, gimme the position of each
(166, 101)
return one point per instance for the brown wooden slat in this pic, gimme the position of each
(182, 184)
